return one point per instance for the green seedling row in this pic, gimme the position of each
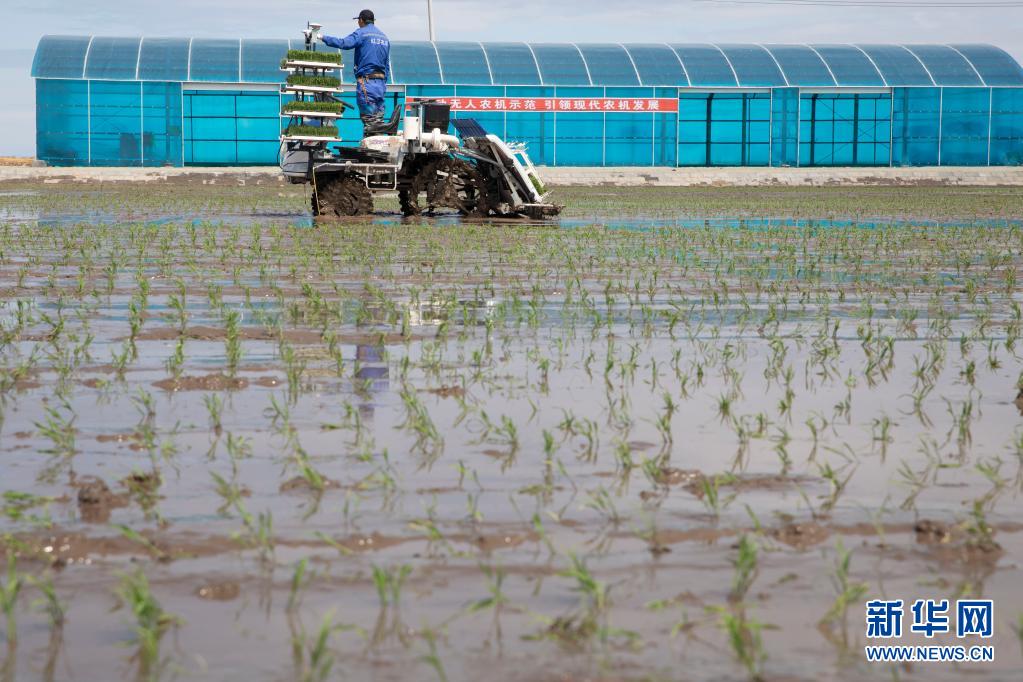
(318, 107)
(311, 131)
(538, 184)
(310, 56)
(314, 81)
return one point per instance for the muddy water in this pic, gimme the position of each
(391, 218)
(476, 410)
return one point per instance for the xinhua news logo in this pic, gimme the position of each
(973, 619)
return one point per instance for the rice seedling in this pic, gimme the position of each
(238, 447)
(320, 107)
(981, 534)
(389, 582)
(745, 639)
(837, 484)
(590, 619)
(314, 81)
(294, 368)
(623, 460)
(601, 502)
(176, 361)
(497, 598)
(50, 603)
(428, 527)
(17, 506)
(59, 429)
(542, 360)
(121, 360)
(228, 491)
(143, 542)
(9, 591)
(316, 660)
(432, 657)
(417, 419)
(179, 309)
(745, 568)
(316, 480)
(508, 434)
(847, 592)
(232, 341)
(299, 580)
(55, 610)
(259, 530)
(215, 410)
(151, 621)
(145, 404)
(711, 498)
(310, 130)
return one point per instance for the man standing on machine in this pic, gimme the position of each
(372, 69)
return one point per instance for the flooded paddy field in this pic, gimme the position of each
(680, 434)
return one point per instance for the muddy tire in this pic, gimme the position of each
(340, 196)
(408, 208)
(446, 183)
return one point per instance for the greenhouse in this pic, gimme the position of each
(105, 101)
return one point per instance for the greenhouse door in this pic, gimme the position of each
(226, 126)
(724, 129)
(838, 129)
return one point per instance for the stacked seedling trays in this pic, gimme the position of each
(312, 81)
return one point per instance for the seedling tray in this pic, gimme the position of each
(322, 66)
(310, 114)
(309, 138)
(310, 88)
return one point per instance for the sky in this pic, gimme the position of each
(24, 21)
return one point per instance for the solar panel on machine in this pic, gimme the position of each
(468, 127)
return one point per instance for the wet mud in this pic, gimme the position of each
(660, 439)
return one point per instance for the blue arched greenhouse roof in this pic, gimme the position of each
(599, 64)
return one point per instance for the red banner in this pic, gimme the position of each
(562, 105)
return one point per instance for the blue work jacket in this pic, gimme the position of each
(372, 50)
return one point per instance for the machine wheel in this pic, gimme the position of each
(409, 173)
(338, 196)
(446, 183)
(496, 199)
(405, 200)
